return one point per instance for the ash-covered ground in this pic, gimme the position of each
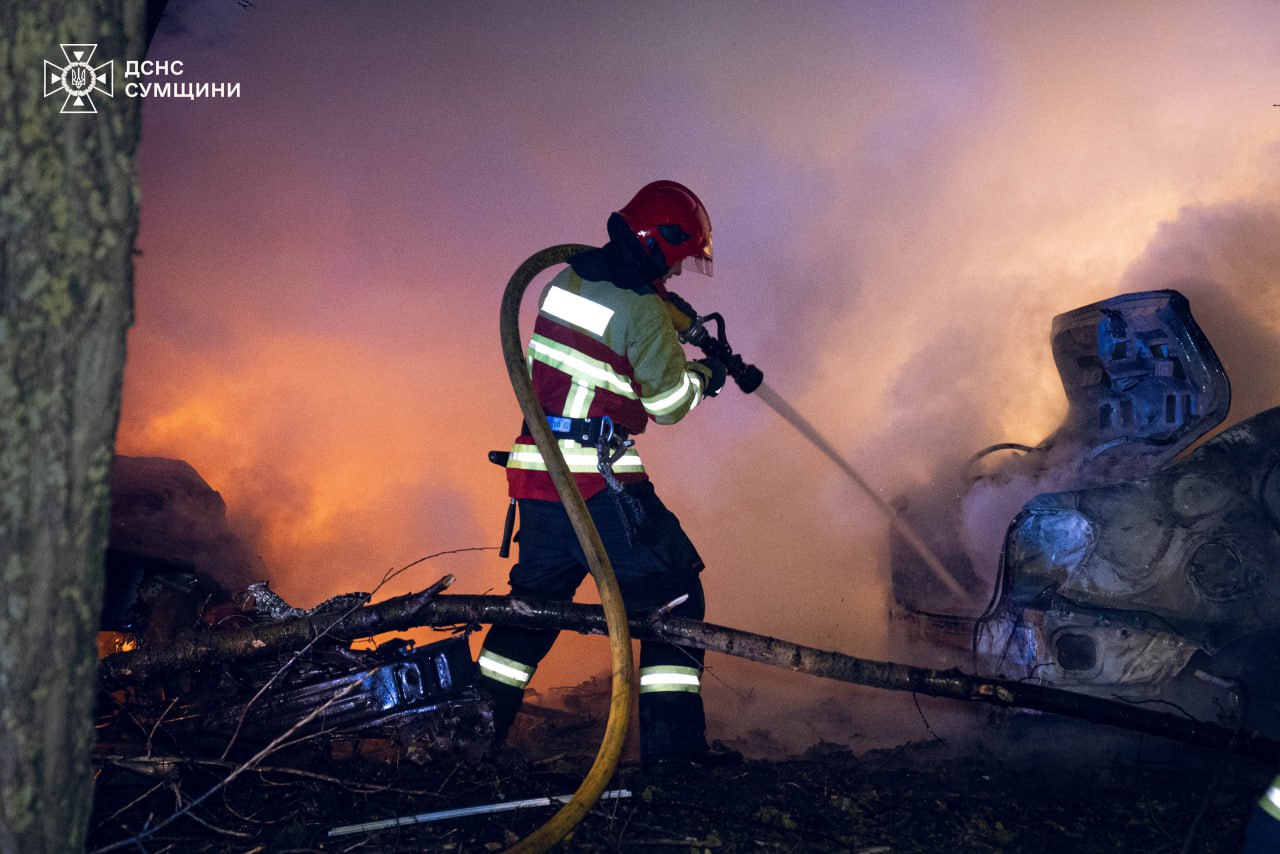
(1014, 782)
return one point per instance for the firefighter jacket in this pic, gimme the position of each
(599, 349)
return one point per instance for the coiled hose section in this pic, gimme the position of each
(567, 818)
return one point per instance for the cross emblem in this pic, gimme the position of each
(79, 79)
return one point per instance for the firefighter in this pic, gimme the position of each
(604, 360)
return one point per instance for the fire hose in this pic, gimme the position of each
(593, 784)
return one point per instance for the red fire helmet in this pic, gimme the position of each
(671, 221)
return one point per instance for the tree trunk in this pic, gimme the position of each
(424, 609)
(68, 216)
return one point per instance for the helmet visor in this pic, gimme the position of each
(700, 262)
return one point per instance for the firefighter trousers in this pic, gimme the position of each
(651, 573)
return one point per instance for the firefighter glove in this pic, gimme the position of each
(718, 374)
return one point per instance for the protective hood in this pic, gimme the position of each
(621, 261)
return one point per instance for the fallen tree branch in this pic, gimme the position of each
(198, 648)
(417, 610)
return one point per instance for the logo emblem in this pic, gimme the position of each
(79, 79)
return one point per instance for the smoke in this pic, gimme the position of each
(903, 196)
(1226, 260)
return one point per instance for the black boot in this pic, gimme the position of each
(706, 759)
(506, 705)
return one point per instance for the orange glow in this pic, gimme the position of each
(110, 643)
(320, 451)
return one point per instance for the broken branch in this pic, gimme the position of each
(195, 648)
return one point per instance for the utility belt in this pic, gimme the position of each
(597, 431)
(610, 441)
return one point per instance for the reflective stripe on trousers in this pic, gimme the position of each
(667, 677)
(508, 671)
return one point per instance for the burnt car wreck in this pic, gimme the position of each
(1122, 570)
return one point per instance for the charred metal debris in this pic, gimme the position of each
(424, 698)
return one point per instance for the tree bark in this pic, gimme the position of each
(68, 217)
(421, 609)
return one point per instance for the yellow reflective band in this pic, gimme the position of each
(577, 309)
(579, 402)
(669, 678)
(1270, 802)
(584, 369)
(576, 457)
(672, 399)
(505, 670)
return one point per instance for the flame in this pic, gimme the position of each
(110, 643)
(333, 459)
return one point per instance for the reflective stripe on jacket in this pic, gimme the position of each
(598, 349)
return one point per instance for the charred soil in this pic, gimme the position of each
(1147, 796)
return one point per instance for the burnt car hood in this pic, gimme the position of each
(1193, 548)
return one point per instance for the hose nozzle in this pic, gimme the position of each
(693, 330)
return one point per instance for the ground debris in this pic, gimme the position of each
(192, 774)
(914, 798)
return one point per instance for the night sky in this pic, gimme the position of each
(903, 196)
